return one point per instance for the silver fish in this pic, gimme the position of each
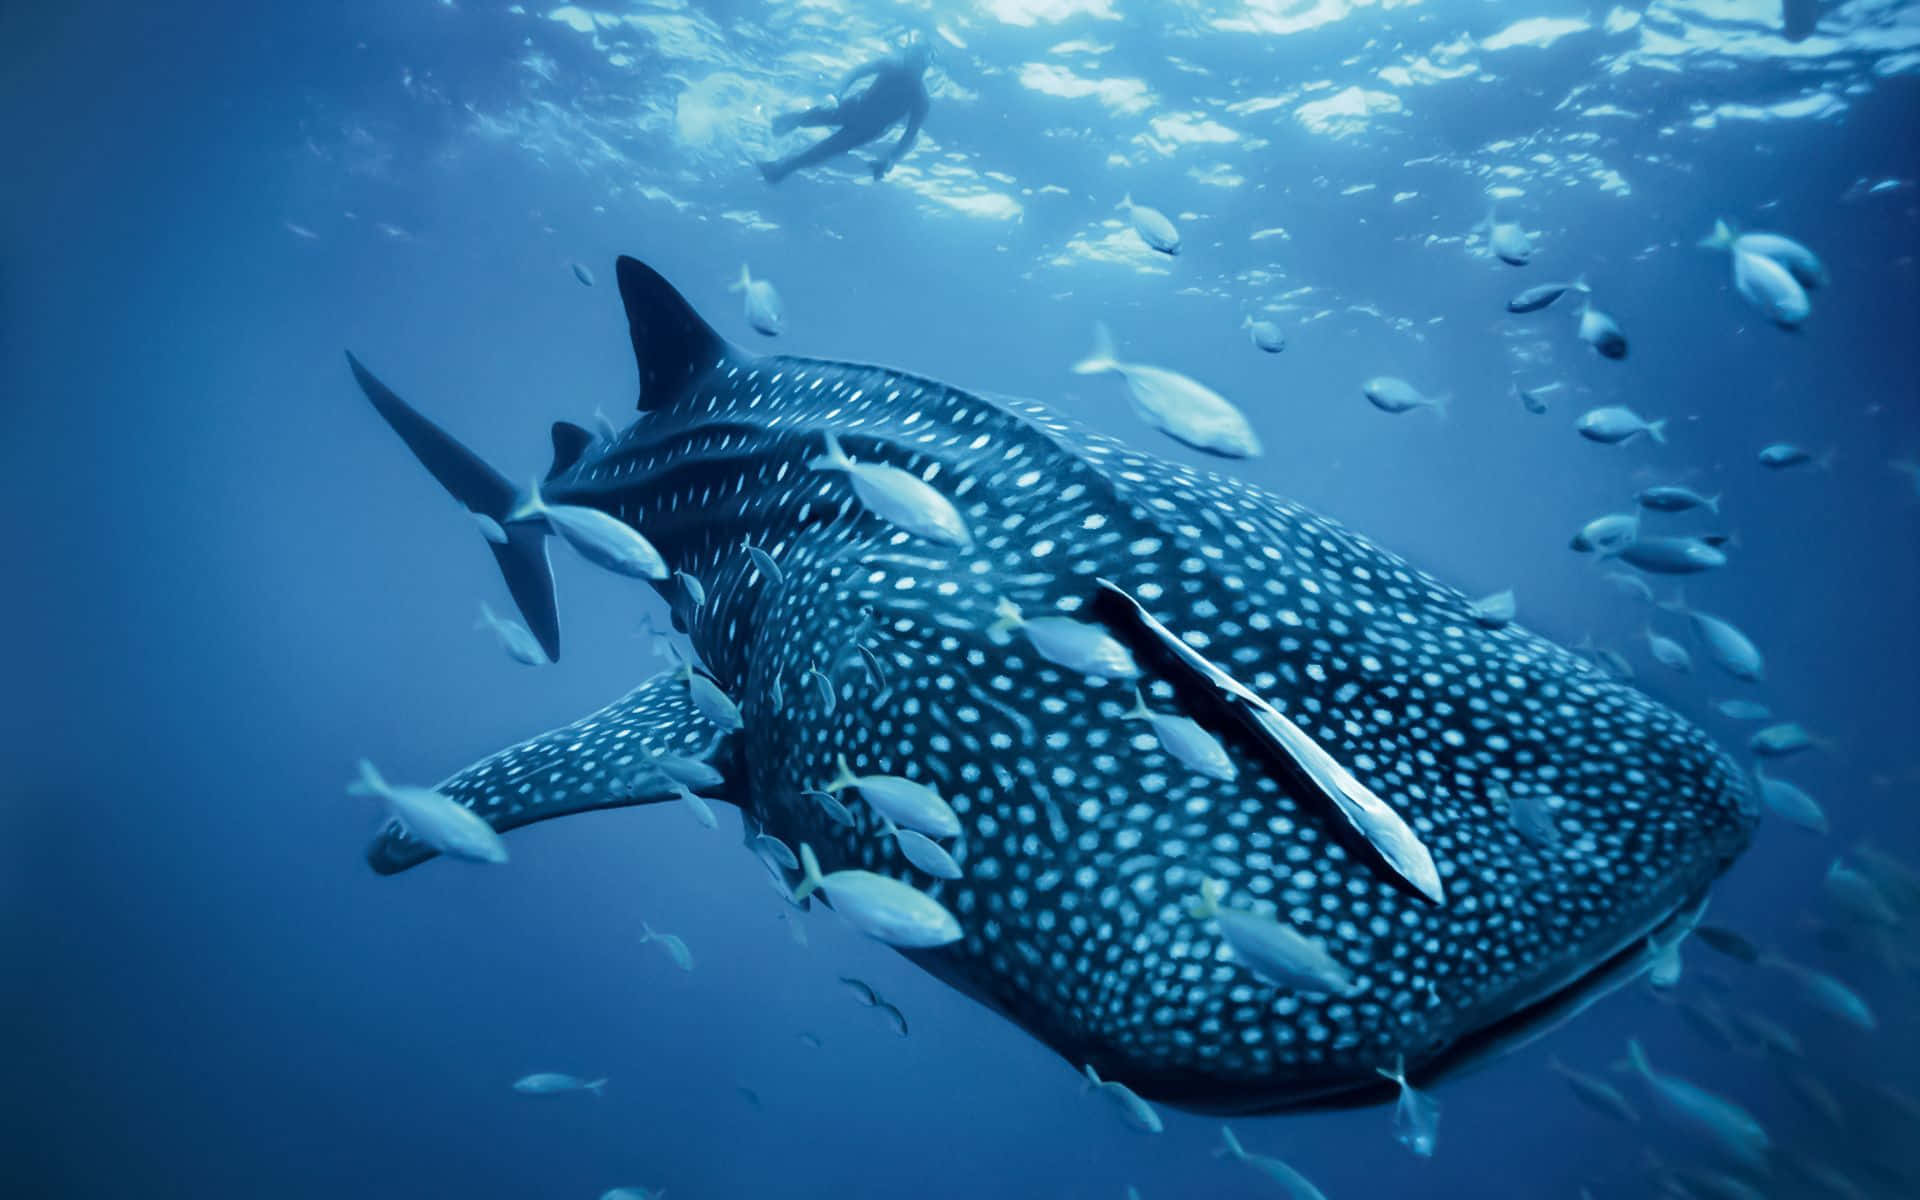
(1079, 647)
(1182, 408)
(1725, 1123)
(898, 799)
(1615, 423)
(1265, 335)
(554, 1083)
(433, 818)
(1782, 740)
(1495, 611)
(1152, 225)
(1602, 332)
(1597, 1094)
(1185, 740)
(1672, 498)
(1416, 1115)
(598, 537)
(1274, 951)
(1137, 1113)
(1392, 395)
(764, 310)
(881, 908)
(514, 638)
(898, 497)
(1542, 295)
(672, 943)
(1292, 1182)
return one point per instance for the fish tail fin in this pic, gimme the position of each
(597, 1086)
(1637, 1058)
(529, 505)
(1720, 238)
(1126, 202)
(744, 282)
(1397, 1073)
(522, 559)
(1677, 605)
(1006, 617)
(488, 618)
(1101, 357)
(1713, 503)
(843, 775)
(1657, 430)
(1206, 902)
(811, 878)
(369, 784)
(1581, 285)
(1826, 460)
(1441, 404)
(1139, 711)
(1092, 1079)
(646, 933)
(1229, 1146)
(835, 459)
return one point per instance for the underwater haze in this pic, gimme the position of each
(231, 582)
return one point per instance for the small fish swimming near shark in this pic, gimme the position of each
(1152, 226)
(1542, 295)
(1509, 242)
(1363, 708)
(554, 1083)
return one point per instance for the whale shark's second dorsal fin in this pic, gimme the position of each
(569, 443)
(671, 344)
(604, 760)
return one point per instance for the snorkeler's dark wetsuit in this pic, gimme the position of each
(898, 91)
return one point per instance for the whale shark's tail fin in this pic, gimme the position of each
(671, 344)
(522, 557)
(606, 760)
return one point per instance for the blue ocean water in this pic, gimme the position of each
(229, 581)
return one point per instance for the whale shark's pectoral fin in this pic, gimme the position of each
(600, 761)
(1372, 818)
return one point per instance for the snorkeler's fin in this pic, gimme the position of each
(601, 761)
(522, 557)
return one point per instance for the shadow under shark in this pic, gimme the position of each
(1082, 841)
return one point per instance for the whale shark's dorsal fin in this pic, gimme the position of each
(671, 344)
(600, 761)
(569, 443)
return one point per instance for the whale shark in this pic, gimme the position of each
(1382, 737)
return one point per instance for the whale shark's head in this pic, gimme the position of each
(1564, 816)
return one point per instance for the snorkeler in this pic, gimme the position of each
(898, 91)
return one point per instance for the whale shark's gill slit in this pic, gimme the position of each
(1382, 829)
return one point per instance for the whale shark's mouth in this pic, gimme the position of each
(1551, 1004)
(1561, 998)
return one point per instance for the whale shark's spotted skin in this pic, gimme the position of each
(1082, 841)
